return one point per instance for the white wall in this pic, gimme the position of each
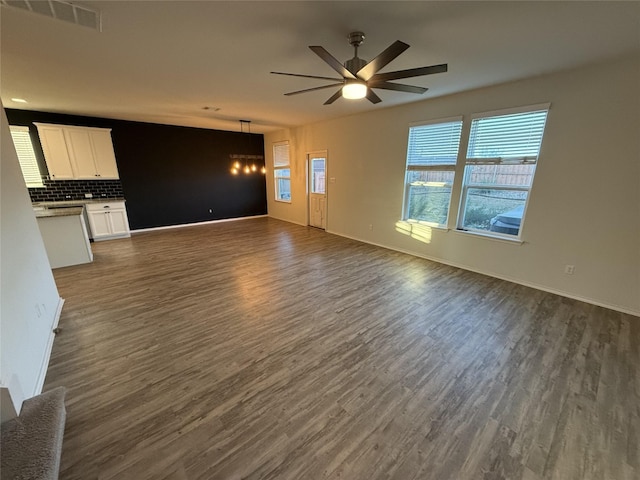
(30, 303)
(584, 208)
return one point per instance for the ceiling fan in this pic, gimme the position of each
(359, 77)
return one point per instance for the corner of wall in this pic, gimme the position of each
(29, 298)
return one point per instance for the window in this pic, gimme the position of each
(318, 175)
(282, 171)
(26, 156)
(431, 161)
(500, 165)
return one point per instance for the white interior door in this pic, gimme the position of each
(317, 189)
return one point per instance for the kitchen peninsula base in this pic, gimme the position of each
(65, 237)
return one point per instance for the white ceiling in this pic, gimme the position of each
(163, 61)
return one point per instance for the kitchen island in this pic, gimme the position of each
(65, 236)
(105, 217)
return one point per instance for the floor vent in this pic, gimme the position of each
(65, 11)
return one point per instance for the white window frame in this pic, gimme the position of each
(281, 161)
(445, 166)
(26, 156)
(470, 162)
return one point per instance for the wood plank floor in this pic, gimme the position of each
(259, 349)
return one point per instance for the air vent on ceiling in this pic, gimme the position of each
(65, 11)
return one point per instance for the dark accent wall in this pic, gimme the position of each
(171, 175)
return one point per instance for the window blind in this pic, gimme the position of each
(434, 144)
(281, 154)
(26, 156)
(513, 137)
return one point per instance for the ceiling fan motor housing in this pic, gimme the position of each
(356, 38)
(355, 64)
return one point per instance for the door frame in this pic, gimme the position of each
(310, 155)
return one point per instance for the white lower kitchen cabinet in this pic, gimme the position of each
(108, 220)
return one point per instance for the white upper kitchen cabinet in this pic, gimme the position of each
(55, 151)
(87, 151)
(104, 156)
(81, 153)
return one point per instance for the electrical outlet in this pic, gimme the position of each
(88, 195)
(569, 269)
(370, 226)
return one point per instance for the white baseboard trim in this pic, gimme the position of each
(288, 221)
(183, 225)
(543, 288)
(47, 353)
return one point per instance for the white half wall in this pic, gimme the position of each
(30, 303)
(584, 208)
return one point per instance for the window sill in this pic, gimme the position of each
(283, 201)
(488, 236)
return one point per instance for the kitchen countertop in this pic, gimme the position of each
(79, 202)
(58, 212)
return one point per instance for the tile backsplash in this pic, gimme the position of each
(56, 190)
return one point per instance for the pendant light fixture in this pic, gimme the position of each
(243, 163)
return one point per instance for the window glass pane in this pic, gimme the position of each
(518, 175)
(283, 189)
(318, 174)
(429, 195)
(507, 136)
(494, 210)
(435, 144)
(427, 189)
(282, 172)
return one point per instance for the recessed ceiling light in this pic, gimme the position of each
(19, 100)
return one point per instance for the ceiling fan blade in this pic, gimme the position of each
(372, 97)
(314, 89)
(412, 72)
(333, 63)
(307, 76)
(399, 87)
(334, 97)
(371, 68)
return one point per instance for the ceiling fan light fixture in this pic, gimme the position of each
(354, 90)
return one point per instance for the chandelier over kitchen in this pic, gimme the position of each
(244, 163)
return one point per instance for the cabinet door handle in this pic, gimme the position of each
(106, 206)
